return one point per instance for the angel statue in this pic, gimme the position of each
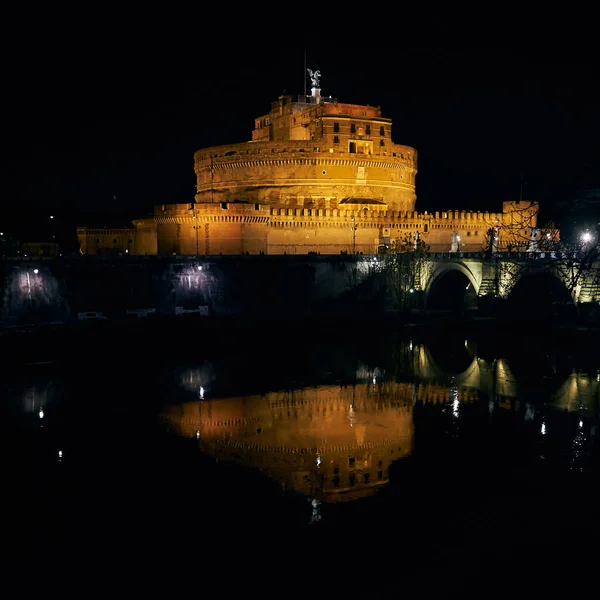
(314, 77)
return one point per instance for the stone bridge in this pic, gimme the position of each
(453, 279)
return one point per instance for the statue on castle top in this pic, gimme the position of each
(315, 77)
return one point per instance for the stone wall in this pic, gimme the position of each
(43, 291)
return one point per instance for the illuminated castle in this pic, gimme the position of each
(317, 176)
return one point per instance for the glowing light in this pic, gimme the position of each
(52, 216)
(455, 403)
(410, 346)
(199, 267)
(41, 413)
(201, 393)
(60, 455)
(126, 250)
(374, 379)
(543, 428)
(548, 235)
(197, 434)
(318, 461)
(411, 290)
(36, 271)
(580, 424)
(586, 237)
(455, 406)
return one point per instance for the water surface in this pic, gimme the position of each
(458, 454)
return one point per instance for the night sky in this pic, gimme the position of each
(97, 133)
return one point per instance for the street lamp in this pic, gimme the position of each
(196, 227)
(353, 230)
(586, 237)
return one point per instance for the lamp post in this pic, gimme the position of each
(53, 230)
(196, 228)
(353, 230)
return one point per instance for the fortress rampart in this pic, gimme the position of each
(254, 228)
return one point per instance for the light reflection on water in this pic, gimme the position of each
(333, 431)
(329, 442)
(337, 442)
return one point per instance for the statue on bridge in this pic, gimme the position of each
(455, 246)
(533, 239)
(492, 241)
(417, 239)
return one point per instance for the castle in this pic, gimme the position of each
(318, 176)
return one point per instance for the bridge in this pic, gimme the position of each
(523, 277)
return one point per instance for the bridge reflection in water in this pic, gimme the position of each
(337, 442)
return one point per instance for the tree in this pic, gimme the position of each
(404, 264)
(577, 263)
(509, 242)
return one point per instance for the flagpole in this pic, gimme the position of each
(305, 72)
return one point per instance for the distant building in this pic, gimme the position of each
(317, 176)
(106, 241)
(40, 249)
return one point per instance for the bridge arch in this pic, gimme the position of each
(451, 286)
(540, 295)
(444, 358)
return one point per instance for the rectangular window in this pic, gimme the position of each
(336, 128)
(368, 130)
(353, 128)
(336, 139)
(382, 131)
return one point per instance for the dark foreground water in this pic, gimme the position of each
(303, 463)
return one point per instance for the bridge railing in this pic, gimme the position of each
(289, 257)
(506, 255)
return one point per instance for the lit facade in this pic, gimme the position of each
(316, 176)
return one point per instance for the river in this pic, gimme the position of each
(447, 459)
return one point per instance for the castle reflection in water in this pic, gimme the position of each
(336, 442)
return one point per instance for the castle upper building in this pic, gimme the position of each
(318, 175)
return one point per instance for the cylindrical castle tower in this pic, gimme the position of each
(312, 153)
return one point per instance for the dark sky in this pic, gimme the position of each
(90, 120)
